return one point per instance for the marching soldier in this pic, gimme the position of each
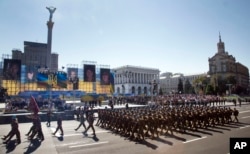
(14, 131)
(59, 125)
(90, 120)
(82, 120)
(236, 113)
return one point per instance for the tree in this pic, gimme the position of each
(180, 86)
(188, 87)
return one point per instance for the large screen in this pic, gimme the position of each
(12, 69)
(105, 76)
(89, 73)
(73, 77)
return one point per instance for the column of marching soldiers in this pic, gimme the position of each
(141, 122)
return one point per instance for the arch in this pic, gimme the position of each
(118, 90)
(145, 91)
(123, 89)
(133, 90)
(139, 90)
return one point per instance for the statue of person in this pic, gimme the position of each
(51, 11)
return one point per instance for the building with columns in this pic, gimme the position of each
(134, 80)
(223, 66)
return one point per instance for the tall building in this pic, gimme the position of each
(39, 54)
(35, 55)
(223, 66)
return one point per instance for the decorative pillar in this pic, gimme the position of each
(50, 24)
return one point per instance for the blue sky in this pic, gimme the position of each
(170, 35)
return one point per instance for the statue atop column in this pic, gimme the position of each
(51, 11)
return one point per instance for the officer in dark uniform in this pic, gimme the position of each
(82, 120)
(236, 113)
(90, 120)
(14, 131)
(59, 125)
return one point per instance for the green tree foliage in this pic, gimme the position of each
(188, 89)
(180, 86)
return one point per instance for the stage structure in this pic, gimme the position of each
(73, 78)
(103, 81)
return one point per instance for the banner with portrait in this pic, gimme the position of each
(73, 77)
(89, 73)
(105, 76)
(12, 69)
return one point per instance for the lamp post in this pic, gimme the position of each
(229, 88)
(153, 84)
(73, 81)
(52, 80)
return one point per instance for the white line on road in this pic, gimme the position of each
(76, 134)
(67, 144)
(245, 117)
(83, 145)
(245, 127)
(245, 111)
(195, 139)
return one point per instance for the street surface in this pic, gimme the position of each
(204, 141)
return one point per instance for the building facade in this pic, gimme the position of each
(133, 80)
(35, 55)
(222, 66)
(169, 81)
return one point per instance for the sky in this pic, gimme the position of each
(177, 36)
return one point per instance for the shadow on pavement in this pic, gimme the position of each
(164, 141)
(176, 137)
(34, 144)
(60, 138)
(148, 144)
(10, 146)
(222, 128)
(204, 132)
(213, 130)
(191, 134)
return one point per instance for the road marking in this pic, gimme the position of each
(245, 117)
(195, 139)
(53, 129)
(83, 145)
(245, 127)
(245, 111)
(80, 133)
(67, 144)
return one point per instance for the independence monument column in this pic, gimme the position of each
(50, 24)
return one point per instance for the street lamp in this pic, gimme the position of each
(229, 88)
(52, 80)
(153, 88)
(74, 81)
